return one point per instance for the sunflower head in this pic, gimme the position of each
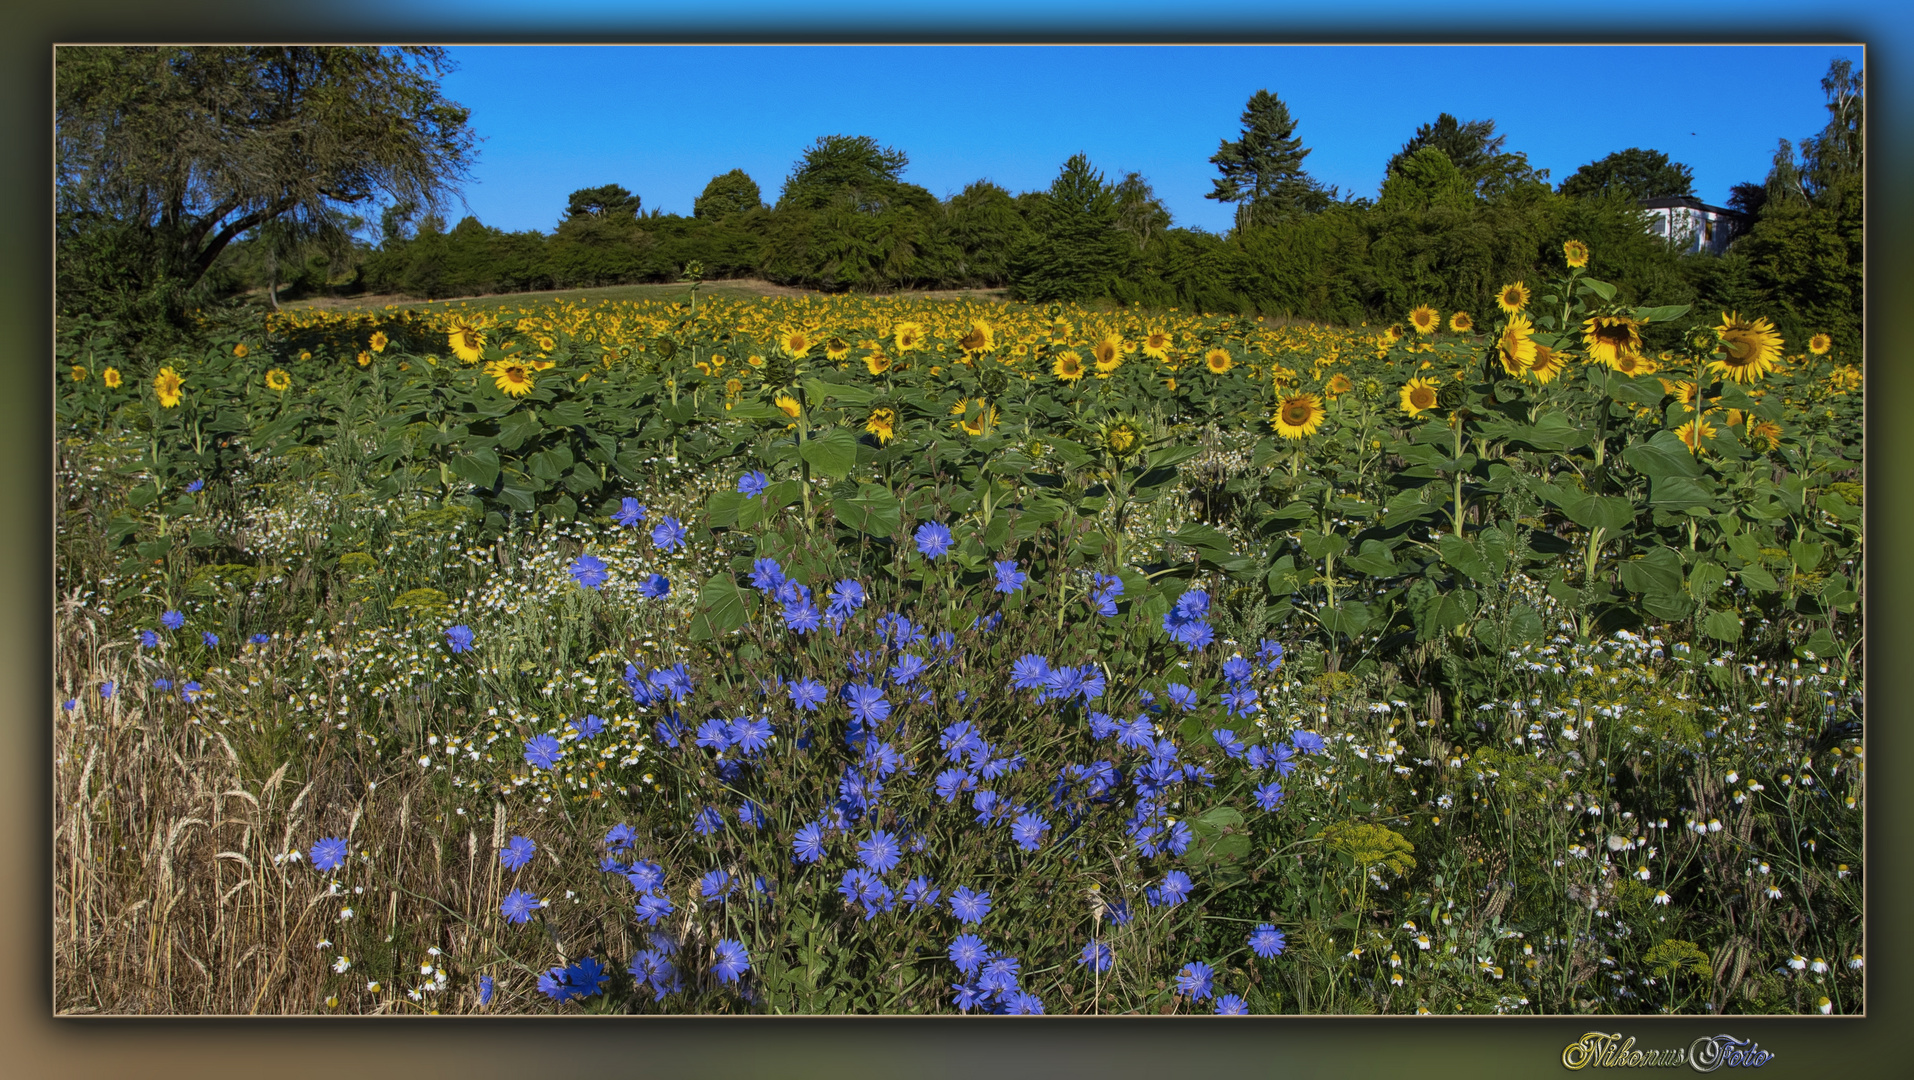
(877, 363)
(278, 379)
(1068, 366)
(466, 341)
(512, 377)
(908, 336)
(1108, 353)
(546, 343)
(1219, 361)
(77, 373)
(1156, 344)
(788, 405)
(882, 423)
(1819, 344)
(1841, 380)
(1749, 348)
(1576, 253)
(1695, 432)
(169, 387)
(1515, 346)
(1394, 333)
(1461, 323)
(1419, 396)
(240, 350)
(980, 338)
(982, 422)
(1338, 385)
(733, 387)
(1609, 337)
(1424, 319)
(837, 348)
(1547, 365)
(111, 377)
(379, 341)
(1512, 298)
(1764, 435)
(795, 343)
(364, 358)
(1634, 364)
(1298, 415)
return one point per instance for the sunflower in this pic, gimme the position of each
(1576, 253)
(1609, 337)
(466, 341)
(1841, 380)
(1634, 364)
(379, 341)
(1512, 298)
(1461, 323)
(733, 387)
(1547, 365)
(1218, 361)
(882, 423)
(1764, 435)
(1750, 348)
(1108, 353)
(754, 360)
(77, 374)
(908, 336)
(1156, 344)
(788, 405)
(305, 354)
(1516, 348)
(1425, 319)
(111, 377)
(1297, 416)
(1068, 367)
(169, 386)
(981, 338)
(1121, 437)
(1394, 333)
(985, 419)
(1418, 396)
(1683, 392)
(240, 350)
(1819, 344)
(1693, 433)
(877, 363)
(512, 377)
(278, 379)
(795, 343)
(365, 358)
(837, 349)
(546, 343)
(1338, 385)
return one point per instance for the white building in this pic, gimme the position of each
(1693, 225)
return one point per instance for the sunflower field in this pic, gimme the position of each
(878, 655)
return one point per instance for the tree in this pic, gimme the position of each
(731, 193)
(1263, 170)
(1139, 212)
(1078, 248)
(606, 202)
(164, 156)
(1834, 157)
(854, 169)
(1424, 180)
(1633, 173)
(986, 226)
(1476, 150)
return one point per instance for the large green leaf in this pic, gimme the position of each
(479, 468)
(873, 510)
(1662, 455)
(1218, 834)
(1459, 553)
(722, 608)
(1205, 539)
(1656, 573)
(1348, 617)
(832, 453)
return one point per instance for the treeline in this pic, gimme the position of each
(1457, 216)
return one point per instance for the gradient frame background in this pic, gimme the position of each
(33, 1043)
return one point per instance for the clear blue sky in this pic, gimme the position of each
(662, 120)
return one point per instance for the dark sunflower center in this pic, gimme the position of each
(1296, 413)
